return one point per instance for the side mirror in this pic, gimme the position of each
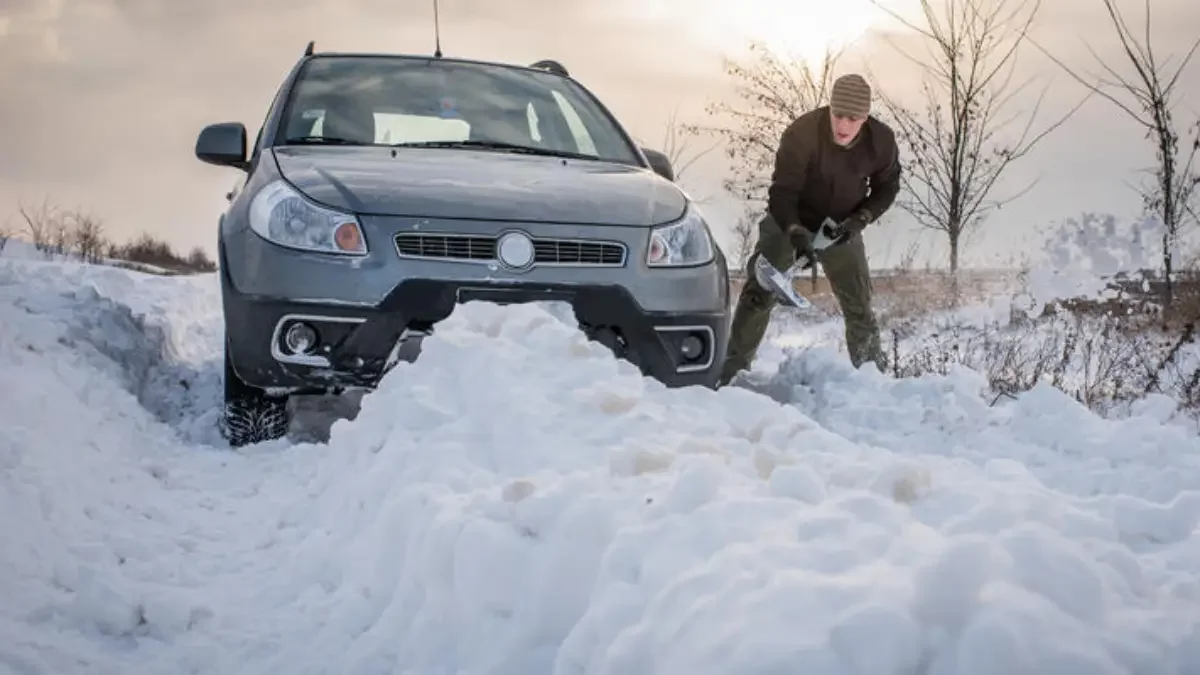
(223, 144)
(660, 163)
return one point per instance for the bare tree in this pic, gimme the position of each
(60, 235)
(679, 148)
(1150, 94)
(952, 151)
(771, 92)
(88, 236)
(6, 233)
(43, 222)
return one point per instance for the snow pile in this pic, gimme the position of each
(519, 502)
(156, 336)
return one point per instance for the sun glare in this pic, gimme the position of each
(800, 28)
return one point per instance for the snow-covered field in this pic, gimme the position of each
(517, 502)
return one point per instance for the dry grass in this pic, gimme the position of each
(901, 294)
(1101, 361)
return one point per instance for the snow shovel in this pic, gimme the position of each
(779, 283)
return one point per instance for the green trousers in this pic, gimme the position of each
(849, 277)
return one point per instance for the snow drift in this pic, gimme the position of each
(519, 502)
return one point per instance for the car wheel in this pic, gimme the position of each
(251, 416)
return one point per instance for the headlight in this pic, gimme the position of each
(281, 215)
(681, 244)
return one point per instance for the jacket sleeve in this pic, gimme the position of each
(885, 185)
(787, 181)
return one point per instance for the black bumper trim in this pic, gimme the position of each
(316, 360)
(709, 358)
(360, 343)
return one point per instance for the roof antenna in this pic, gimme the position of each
(437, 32)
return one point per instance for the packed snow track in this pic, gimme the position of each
(520, 503)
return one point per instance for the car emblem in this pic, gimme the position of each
(515, 250)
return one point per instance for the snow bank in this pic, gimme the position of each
(18, 249)
(156, 336)
(519, 502)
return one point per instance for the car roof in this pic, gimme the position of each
(543, 66)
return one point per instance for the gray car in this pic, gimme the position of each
(383, 190)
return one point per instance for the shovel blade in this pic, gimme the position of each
(822, 239)
(778, 284)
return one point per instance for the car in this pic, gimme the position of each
(383, 190)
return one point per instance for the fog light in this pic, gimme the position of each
(691, 347)
(300, 338)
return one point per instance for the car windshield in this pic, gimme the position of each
(395, 101)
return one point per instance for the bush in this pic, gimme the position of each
(1102, 361)
(56, 232)
(148, 250)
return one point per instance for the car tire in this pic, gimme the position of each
(251, 415)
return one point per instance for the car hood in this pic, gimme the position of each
(471, 184)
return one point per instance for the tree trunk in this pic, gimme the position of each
(1168, 291)
(953, 239)
(954, 234)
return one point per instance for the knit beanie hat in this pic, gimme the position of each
(851, 96)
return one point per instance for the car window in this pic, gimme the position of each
(578, 129)
(396, 128)
(389, 100)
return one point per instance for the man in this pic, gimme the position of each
(837, 162)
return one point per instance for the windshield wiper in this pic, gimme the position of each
(496, 145)
(321, 140)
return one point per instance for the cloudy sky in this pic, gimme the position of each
(101, 100)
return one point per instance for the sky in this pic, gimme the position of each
(101, 100)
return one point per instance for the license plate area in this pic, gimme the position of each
(504, 295)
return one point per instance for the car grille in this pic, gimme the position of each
(566, 252)
(483, 248)
(456, 247)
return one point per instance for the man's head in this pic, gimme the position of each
(849, 105)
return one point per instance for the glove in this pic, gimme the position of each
(801, 240)
(837, 234)
(857, 222)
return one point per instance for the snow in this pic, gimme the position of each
(19, 248)
(1083, 253)
(519, 502)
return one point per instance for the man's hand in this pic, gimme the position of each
(801, 240)
(840, 233)
(799, 236)
(856, 223)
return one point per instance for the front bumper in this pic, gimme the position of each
(374, 310)
(357, 345)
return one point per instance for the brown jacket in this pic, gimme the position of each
(815, 178)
